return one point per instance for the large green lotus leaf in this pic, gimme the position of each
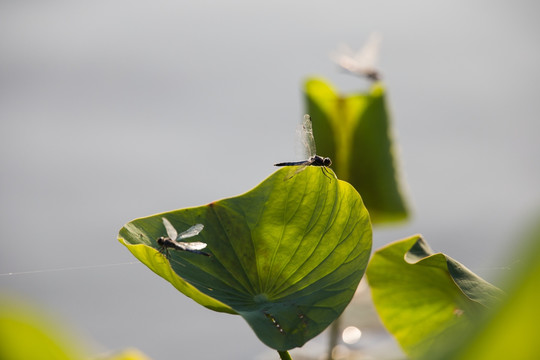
(426, 299)
(287, 256)
(355, 132)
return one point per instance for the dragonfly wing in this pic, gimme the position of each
(192, 231)
(363, 62)
(171, 231)
(298, 169)
(367, 56)
(195, 245)
(307, 136)
(344, 57)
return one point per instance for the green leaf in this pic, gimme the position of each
(287, 256)
(355, 132)
(512, 330)
(423, 298)
(27, 333)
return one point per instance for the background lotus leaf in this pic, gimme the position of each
(28, 333)
(355, 132)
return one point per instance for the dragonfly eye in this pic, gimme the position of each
(160, 240)
(327, 162)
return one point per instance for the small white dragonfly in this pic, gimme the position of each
(362, 62)
(172, 241)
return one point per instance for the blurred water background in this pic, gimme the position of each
(112, 110)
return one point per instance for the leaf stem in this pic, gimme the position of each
(284, 355)
(333, 337)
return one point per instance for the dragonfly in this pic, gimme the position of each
(309, 145)
(172, 241)
(364, 61)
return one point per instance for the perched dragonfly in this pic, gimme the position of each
(364, 61)
(172, 241)
(309, 144)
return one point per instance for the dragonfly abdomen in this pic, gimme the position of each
(292, 163)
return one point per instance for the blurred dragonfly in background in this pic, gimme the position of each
(363, 62)
(309, 147)
(172, 241)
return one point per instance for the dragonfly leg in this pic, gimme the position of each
(326, 172)
(163, 251)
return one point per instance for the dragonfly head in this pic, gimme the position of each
(327, 161)
(161, 241)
